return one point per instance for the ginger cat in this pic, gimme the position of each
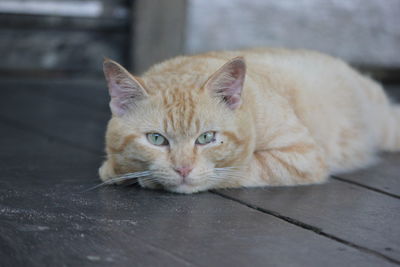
(260, 117)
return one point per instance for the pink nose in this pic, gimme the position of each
(184, 170)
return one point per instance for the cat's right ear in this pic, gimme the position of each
(124, 88)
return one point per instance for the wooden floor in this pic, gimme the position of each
(51, 144)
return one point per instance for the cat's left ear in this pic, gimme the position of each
(227, 82)
(124, 88)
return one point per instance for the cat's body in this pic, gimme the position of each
(298, 117)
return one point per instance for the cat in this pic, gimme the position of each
(259, 117)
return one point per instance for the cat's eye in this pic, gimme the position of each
(157, 139)
(205, 138)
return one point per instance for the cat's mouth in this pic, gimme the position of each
(200, 181)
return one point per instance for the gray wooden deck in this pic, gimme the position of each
(51, 144)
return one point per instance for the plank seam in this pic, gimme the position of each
(365, 186)
(309, 227)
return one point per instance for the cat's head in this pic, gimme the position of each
(189, 130)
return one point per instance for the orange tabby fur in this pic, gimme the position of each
(301, 116)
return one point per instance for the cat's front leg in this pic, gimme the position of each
(291, 159)
(276, 167)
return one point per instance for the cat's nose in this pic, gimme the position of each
(184, 170)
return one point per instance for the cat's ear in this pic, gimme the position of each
(227, 82)
(124, 88)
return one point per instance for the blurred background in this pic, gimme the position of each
(45, 38)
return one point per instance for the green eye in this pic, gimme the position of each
(157, 139)
(205, 138)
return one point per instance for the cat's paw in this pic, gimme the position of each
(106, 171)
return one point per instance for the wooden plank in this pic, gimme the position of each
(76, 8)
(158, 31)
(53, 50)
(90, 93)
(77, 124)
(45, 222)
(36, 42)
(383, 176)
(353, 214)
(40, 22)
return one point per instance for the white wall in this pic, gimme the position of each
(361, 31)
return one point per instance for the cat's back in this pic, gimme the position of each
(298, 75)
(273, 63)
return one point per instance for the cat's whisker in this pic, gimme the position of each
(133, 175)
(120, 178)
(164, 176)
(145, 179)
(130, 182)
(161, 177)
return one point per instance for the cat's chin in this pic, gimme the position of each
(180, 188)
(186, 189)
